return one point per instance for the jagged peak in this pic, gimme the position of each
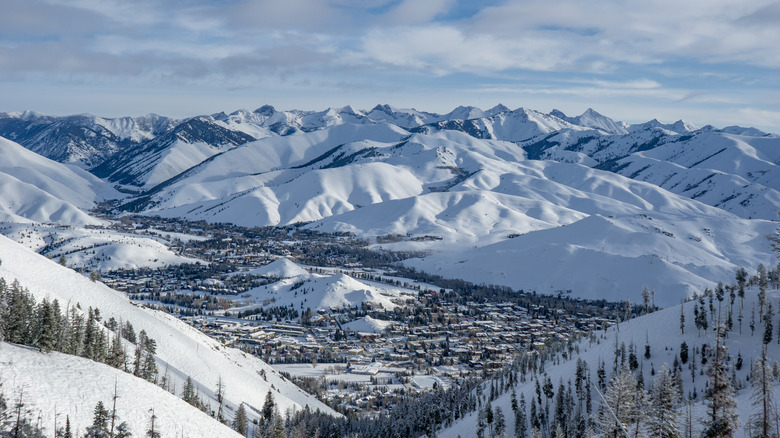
(559, 114)
(265, 110)
(498, 109)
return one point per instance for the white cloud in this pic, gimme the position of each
(417, 11)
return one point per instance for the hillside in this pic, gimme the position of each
(182, 350)
(34, 188)
(54, 386)
(661, 331)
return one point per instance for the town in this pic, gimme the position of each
(357, 358)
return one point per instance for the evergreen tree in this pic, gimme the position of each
(268, 407)
(621, 398)
(240, 423)
(278, 427)
(47, 325)
(500, 421)
(722, 419)
(116, 356)
(18, 314)
(521, 422)
(684, 353)
(99, 427)
(75, 343)
(90, 336)
(153, 430)
(481, 423)
(221, 399)
(762, 375)
(188, 392)
(663, 415)
(768, 325)
(123, 431)
(68, 433)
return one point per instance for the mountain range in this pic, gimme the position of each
(535, 201)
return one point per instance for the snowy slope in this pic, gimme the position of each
(167, 155)
(302, 290)
(91, 248)
(592, 119)
(56, 386)
(39, 189)
(737, 173)
(183, 349)
(463, 197)
(661, 330)
(84, 140)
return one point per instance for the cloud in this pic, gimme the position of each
(416, 11)
(679, 53)
(754, 117)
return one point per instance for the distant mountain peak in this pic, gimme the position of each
(265, 110)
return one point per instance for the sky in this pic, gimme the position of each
(705, 61)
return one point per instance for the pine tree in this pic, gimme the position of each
(240, 423)
(153, 431)
(123, 431)
(722, 419)
(18, 315)
(68, 433)
(221, 399)
(768, 329)
(90, 336)
(684, 353)
(75, 342)
(761, 378)
(99, 427)
(521, 423)
(47, 325)
(621, 398)
(268, 407)
(188, 391)
(481, 423)
(500, 427)
(663, 415)
(278, 427)
(116, 356)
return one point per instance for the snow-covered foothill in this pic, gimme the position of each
(55, 386)
(182, 350)
(661, 331)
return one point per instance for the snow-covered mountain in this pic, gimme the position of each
(85, 140)
(463, 198)
(171, 153)
(591, 119)
(182, 350)
(35, 188)
(471, 183)
(735, 172)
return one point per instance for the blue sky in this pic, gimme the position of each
(709, 62)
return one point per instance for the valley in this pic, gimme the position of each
(347, 267)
